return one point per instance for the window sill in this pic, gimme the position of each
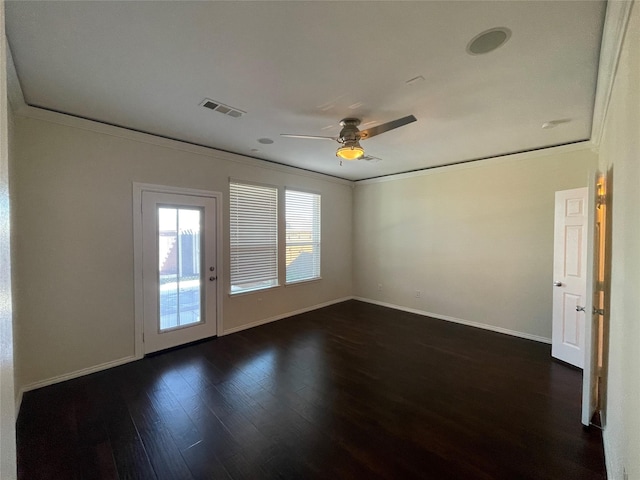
(249, 292)
(302, 282)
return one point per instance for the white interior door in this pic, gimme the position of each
(570, 276)
(179, 269)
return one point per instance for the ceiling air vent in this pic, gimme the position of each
(220, 107)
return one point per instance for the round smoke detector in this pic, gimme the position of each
(488, 41)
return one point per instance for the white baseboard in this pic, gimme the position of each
(469, 323)
(69, 376)
(611, 455)
(284, 315)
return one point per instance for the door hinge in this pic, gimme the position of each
(598, 311)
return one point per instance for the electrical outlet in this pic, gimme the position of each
(379, 287)
(418, 294)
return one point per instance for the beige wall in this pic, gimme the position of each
(620, 157)
(476, 241)
(7, 405)
(73, 249)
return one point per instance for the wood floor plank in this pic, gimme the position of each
(95, 454)
(130, 456)
(164, 455)
(203, 463)
(50, 451)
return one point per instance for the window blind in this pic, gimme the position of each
(254, 236)
(302, 236)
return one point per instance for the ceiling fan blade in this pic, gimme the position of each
(385, 127)
(312, 137)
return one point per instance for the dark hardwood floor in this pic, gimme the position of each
(349, 391)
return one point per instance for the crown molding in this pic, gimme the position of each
(615, 26)
(142, 137)
(483, 162)
(14, 89)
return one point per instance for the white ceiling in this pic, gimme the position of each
(299, 67)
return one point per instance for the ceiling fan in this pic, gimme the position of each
(350, 135)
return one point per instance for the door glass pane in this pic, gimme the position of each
(179, 266)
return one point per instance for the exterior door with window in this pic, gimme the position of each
(179, 269)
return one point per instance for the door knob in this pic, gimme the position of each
(579, 308)
(557, 284)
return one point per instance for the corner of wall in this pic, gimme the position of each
(7, 376)
(14, 89)
(619, 150)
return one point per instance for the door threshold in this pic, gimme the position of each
(178, 347)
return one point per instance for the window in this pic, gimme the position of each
(303, 236)
(254, 237)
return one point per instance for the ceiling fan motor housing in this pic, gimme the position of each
(350, 131)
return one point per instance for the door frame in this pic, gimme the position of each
(138, 188)
(589, 351)
(592, 373)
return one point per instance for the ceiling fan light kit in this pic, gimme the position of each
(350, 151)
